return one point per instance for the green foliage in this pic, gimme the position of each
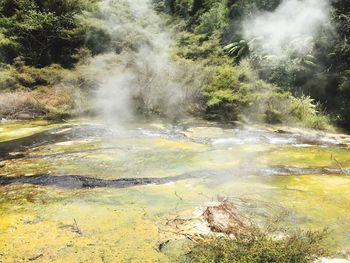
(213, 20)
(238, 50)
(249, 87)
(22, 77)
(247, 7)
(231, 91)
(288, 74)
(51, 92)
(45, 32)
(319, 70)
(236, 93)
(320, 74)
(301, 247)
(51, 34)
(201, 48)
(305, 109)
(180, 8)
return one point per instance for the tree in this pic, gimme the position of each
(42, 31)
(196, 6)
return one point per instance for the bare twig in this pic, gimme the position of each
(178, 196)
(35, 257)
(77, 229)
(338, 163)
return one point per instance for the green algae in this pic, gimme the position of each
(19, 129)
(310, 156)
(116, 225)
(205, 132)
(127, 225)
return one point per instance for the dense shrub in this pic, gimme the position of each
(56, 102)
(20, 76)
(20, 105)
(236, 93)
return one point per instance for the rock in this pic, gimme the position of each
(224, 218)
(282, 131)
(24, 116)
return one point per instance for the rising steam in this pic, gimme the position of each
(290, 28)
(138, 73)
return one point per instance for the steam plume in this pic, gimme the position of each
(293, 25)
(138, 73)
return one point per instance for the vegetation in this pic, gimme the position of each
(246, 86)
(40, 40)
(238, 239)
(44, 32)
(45, 46)
(317, 80)
(300, 247)
(40, 43)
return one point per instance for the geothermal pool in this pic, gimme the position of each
(80, 191)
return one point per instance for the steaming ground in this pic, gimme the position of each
(290, 28)
(138, 74)
(83, 191)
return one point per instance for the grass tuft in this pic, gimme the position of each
(259, 247)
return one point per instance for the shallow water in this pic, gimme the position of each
(199, 161)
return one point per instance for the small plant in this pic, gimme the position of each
(239, 240)
(238, 50)
(259, 247)
(306, 111)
